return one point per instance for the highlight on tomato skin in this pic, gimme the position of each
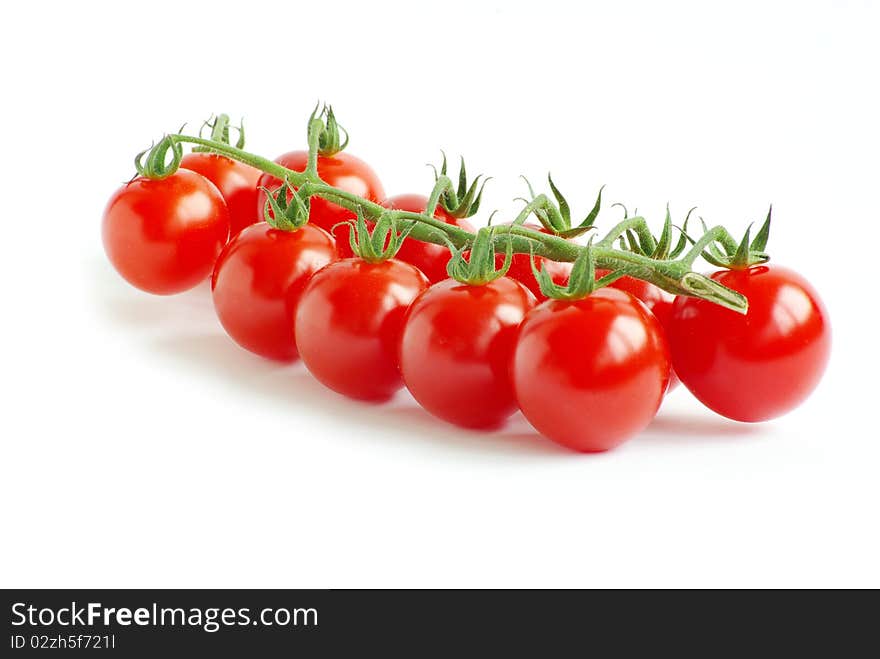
(761, 365)
(349, 321)
(590, 373)
(343, 171)
(658, 301)
(163, 236)
(236, 182)
(431, 259)
(456, 348)
(257, 284)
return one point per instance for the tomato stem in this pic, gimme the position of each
(441, 185)
(674, 276)
(258, 162)
(636, 224)
(314, 139)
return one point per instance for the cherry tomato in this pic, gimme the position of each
(521, 267)
(163, 236)
(456, 348)
(258, 281)
(590, 373)
(236, 181)
(431, 259)
(342, 171)
(758, 366)
(348, 325)
(658, 301)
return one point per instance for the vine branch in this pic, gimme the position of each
(674, 276)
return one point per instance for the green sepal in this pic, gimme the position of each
(741, 257)
(751, 252)
(640, 240)
(588, 222)
(661, 251)
(642, 244)
(380, 244)
(465, 200)
(633, 242)
(556, 218)
(283, 213)
(330, 139)
(682, 236)
(239, 143)
(745, 254)
(154, 165)
(759, 244)
(220, 132)
(647, 241)
(564, 208)
(736, 256)
(581, 281)
(480, 268)
(625, 211)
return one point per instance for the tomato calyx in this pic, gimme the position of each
(326, 132)
(480, 267)
(556, 216)
(746, 253)
(288, 209)
(461, 202)
(582, 280)
(634, 236)
(154, 166)
(220, 132)
(380, 244)
(721, 250)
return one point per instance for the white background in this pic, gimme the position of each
(140, 447)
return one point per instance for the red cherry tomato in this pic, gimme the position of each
(590, 373)
(431, 259)
(658, 301)
(258, 281)
(163, 236)
(348, 325)
(456, 348)
(236, 181)
(758, 366)
(342, 171)
(521, 267)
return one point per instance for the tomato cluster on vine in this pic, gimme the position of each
(310, 259)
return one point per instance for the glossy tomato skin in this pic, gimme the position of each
(456, 347)
(590, 373)
(431, 259)
(658, 301)
(258, 281)
(236, 182)
(343, 171)
(758, 366)
(348, 325)
(521, 267)
(163, 236)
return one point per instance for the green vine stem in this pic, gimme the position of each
(674, 276)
